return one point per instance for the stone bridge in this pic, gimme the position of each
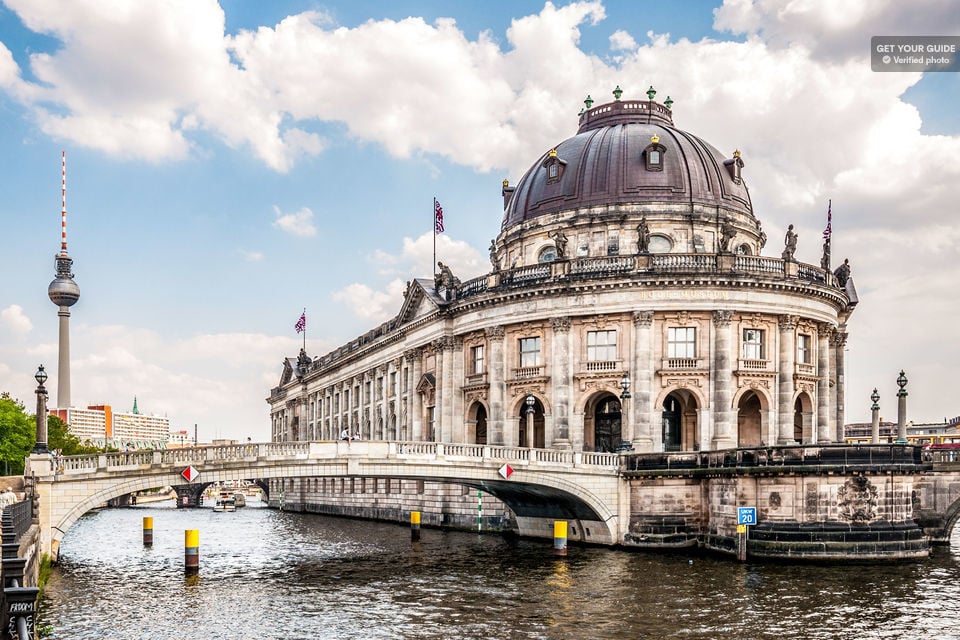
(849, 502)
(545, 484)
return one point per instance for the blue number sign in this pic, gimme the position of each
(746, 515)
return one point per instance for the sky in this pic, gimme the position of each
(231, 164)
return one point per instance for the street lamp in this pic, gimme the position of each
(902, 409)
(625, 385)
(41, 443)
(530, 401)
(875, 416)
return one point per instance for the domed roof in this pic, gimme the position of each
(612, 162)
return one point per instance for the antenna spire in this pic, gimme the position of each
(63, 209)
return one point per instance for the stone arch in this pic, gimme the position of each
(602, 421)
(803, 429)
(536, 439)
(680, 420)
(752, 411)
(692, 389)
(477, 417)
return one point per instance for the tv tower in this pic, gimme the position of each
(64, 293)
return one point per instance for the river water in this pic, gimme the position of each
(266, 574)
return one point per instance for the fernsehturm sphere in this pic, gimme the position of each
(64, 293)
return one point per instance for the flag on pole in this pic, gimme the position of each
(301, 325)
(829, 230)
(437, 217)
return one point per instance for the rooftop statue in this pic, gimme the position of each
(790, 244)
(727, 232)
(643, 236)
(494, 261)
(560, 240)
(843, 273)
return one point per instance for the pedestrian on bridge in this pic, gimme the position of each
(7, 498)
(345, 435)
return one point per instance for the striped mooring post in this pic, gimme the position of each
(414, 526)
(191, 551)
(560, 537)
(147, 531)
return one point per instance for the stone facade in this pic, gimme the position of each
(628, 308)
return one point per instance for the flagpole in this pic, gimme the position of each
(304, 330)
(433, 213)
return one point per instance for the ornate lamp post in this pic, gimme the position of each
(875, 409)
(41, 444)
(902, 409)
(625, 385)
(530, 401)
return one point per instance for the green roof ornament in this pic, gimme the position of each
(582, 111)
(588, 101)
(651, 92)
(668, 102)
(617, 93)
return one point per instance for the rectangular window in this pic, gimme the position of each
(476, 356)
(753, 344)
(803, 349)
(529, 352)
(681, 342)
(601, 346)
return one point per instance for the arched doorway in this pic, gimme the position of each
(538, 440)
(680, 428)
(607, 424)
(477, 424)
(803, 419)
(749, 421)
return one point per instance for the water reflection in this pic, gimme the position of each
(269, 574)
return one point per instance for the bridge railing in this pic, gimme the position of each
(301, 450)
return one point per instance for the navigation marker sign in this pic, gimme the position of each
(506, 471)
(190, 473)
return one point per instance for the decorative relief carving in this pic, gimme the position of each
(560, 325)
(825, 329)
(788, 323)
(521, 390)
(755, 320)
(495, 331)
(754, 383)
(683, 318)
(444, 343)
(839, 339)
(643, 318)
(857, 499)
(474, 395)
(683, 383)
(413, 354)
(722, 317)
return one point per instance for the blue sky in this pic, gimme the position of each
(230, 164)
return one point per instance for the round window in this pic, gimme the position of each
(660, 244)
(547, 254)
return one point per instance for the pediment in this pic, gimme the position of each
(420, 300)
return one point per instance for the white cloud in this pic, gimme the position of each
(299, 223)
(15, 320)
(252, 256)
(622, 41)
(413, 260)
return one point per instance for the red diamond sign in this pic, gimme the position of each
(189, 474)
(506, 471)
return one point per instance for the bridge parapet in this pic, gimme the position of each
(796, 459)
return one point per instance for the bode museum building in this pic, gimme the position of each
(628, 307)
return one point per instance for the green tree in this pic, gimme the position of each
(17, 434)
(59, 437)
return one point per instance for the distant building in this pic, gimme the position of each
(917, 433)
(102, 426)
(180, 438)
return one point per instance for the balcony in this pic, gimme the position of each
(525, 373)
(804, 369)
(602, 365)
(754, 365)
(475, 378)
(682, 364)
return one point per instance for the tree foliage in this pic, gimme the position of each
(59, 437)
(17, 434)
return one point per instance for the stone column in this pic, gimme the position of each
(785, 366)
(561, 379)
(458, 417)
(642, 375)
(875, 418)
(383, 415)
(823, 434)
(445, 387)
(722, 374)
(839, 343)
(497, 368)
(902, 409)
(415, 356)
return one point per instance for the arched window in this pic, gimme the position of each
(653, 154)
(547, 254)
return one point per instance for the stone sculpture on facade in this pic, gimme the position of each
(843, 273)
(727, 233)
(446, 280)
(643, 236)
(825, 258)
(560, 240)
(494, 261)
(790, 244)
